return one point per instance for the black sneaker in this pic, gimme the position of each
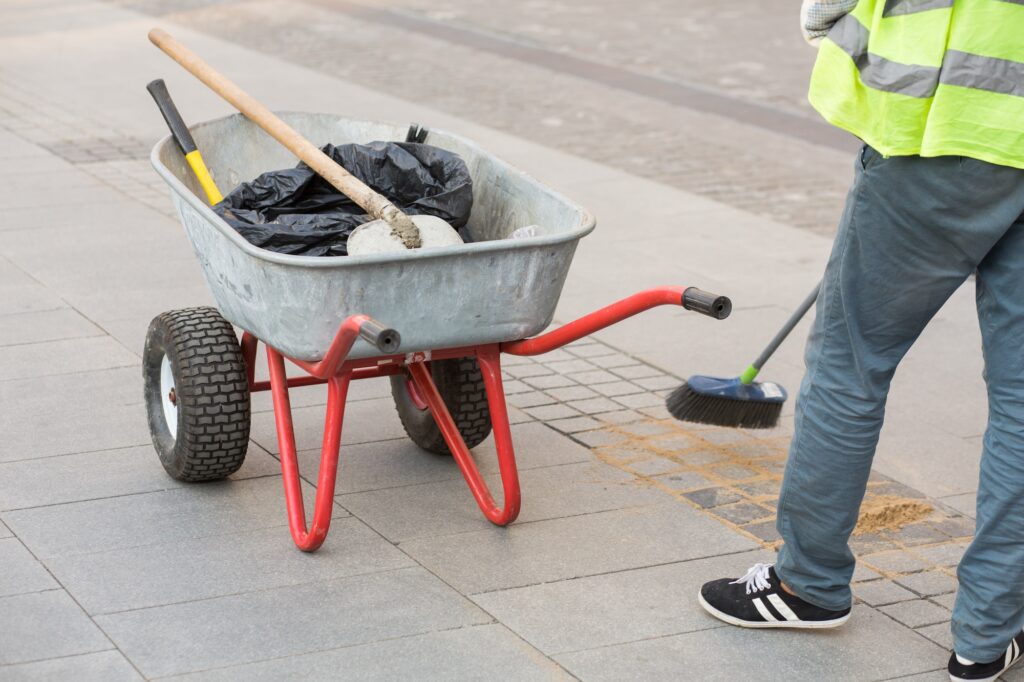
(757, 600)
(962, 669)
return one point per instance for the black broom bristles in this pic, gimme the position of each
(688, 405)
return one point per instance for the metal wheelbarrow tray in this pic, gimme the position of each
(434, 320)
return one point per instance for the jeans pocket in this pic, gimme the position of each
(867, 155)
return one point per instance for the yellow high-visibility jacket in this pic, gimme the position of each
(927, 77)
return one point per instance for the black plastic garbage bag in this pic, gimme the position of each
(296, 211)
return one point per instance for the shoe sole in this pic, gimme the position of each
(985, 679)
(795, 624)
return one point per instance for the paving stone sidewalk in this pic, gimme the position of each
(111, 570)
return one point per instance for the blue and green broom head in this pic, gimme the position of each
(739, 402)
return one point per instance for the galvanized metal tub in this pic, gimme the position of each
(494, 289)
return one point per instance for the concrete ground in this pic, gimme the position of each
(703, 167)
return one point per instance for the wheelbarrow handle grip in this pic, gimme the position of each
(385, 339)
(179, 131)
(705, 303)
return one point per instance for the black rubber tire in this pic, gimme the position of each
(461, 386)
(212, 391)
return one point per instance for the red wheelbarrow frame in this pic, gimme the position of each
(337, 372)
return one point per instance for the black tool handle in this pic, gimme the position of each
(791, 323)
(712, 305)
(387, 340)
(170, 112)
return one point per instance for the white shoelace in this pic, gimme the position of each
(756, 578)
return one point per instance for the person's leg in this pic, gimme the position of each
(912, 232)
(989, 607)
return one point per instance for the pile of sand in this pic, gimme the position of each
(887, 512)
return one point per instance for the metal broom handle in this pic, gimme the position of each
(791, 323)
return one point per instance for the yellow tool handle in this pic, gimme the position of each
(181, 135)
(195, 160)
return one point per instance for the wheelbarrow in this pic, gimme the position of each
(435, 321)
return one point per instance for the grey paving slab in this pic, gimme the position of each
(940, 634)
(481, 652)
(28, 298)
(85, 190)
(20, 572)
(621, 416)
(214, 566)
(929, 583)
(5, 532)
(139, 236)
(192, 511)
(617, 388)
(684, 480)
(637, 371)
(882, 592)
(532, 399)
(870, 646)
(524, 554)
(106, 473)
(917, 613)
(571, 393)
(102, 666)
(614, 608)
(63, 357)
(72, 413)
(896, 561)
(948, 554)
(238, 629)
(947, 600)
(965, 503)
(47, 325)
(394, 463)
(640, 400)
(552, 412)
(446, 507)
(938, 675)
(548, 381)
(575, 424)
(125, 310)
(14, 147)
(45, 625)
(595, 405)
(567, 366)
(70, 478)
(366, 421)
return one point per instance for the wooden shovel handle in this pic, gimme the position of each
(370, 201)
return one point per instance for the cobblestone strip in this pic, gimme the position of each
(116, 160)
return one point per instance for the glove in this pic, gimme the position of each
(817, 17)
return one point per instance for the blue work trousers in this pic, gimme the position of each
(913, 230)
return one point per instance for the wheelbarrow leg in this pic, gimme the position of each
(490, 365)
(337, 391)
(249, 344)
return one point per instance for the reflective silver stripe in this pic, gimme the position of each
(1013, 2)
(880, 73)
(895, 8)
(983, 73)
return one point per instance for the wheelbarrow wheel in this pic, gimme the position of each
(197, 394)
(461, 385)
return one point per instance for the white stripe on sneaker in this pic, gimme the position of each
(763, 610)
(782, 607)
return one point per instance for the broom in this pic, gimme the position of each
(739, 402)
